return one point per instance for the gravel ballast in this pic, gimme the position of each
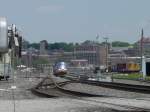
(104, 91)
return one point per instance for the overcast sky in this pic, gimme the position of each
(78, 20)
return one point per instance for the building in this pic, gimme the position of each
(116, 55)
(145, 46)
(91, 51)
(79, 62)
(124, 51)
(122, 55)
(43, 47)
(131, 52)
(58, 56)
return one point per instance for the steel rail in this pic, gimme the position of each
(77, 95)
(120, 86)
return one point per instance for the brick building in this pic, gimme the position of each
(146, 46)
(93, 52)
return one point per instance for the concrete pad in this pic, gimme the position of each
(139, 103)
(51, 105)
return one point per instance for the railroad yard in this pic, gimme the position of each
(74, 56)
(46, 93)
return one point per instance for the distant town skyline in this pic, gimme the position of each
(78, 20)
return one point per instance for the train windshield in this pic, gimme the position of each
(61, 64)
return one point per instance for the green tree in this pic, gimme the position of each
(61, 46)
(55, 46)
(120, 44)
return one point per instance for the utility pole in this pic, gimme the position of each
(106, 50)
(143, 62)
(141, 48)
(97, 51)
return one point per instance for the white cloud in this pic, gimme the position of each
(50, 9)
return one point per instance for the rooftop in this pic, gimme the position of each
(145, 40)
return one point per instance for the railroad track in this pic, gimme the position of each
(120, 86)
(113, 85)
(58, 86)
(126, 107)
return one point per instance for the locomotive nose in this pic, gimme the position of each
(60, 69)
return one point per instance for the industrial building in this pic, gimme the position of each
(79, 63)
(145, 46)
(93, 52)
(43, 47)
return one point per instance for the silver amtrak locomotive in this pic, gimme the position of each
(60, 69)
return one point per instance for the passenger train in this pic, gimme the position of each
(60, 69)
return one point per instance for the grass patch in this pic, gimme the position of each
(134, 76)
(128, 76)
(147, 78)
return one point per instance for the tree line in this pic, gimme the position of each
(55, 46)
(70, 46)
